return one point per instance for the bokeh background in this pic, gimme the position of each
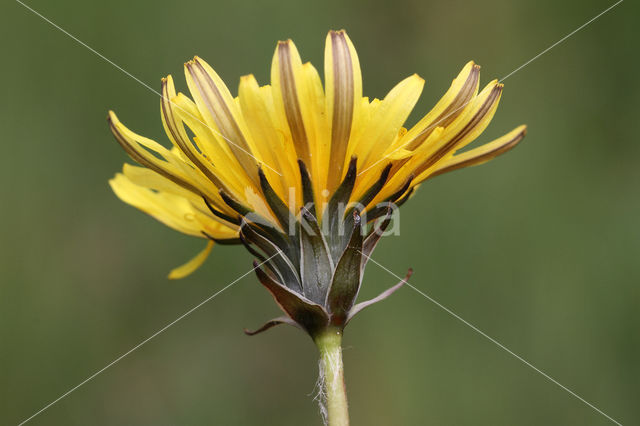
(539, 249)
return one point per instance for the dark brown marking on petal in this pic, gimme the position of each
(453, 110)
(343, 102)
(228, 127)
(240, 208)
(462, 98)
(221, 215)
(405, 197)
(169, 118)
(222, 241)
(168, 112)
(307, 188)
(471, 124)
(396, 195)
(371, 193)
(484, 157)
(148, 164)
(279, 209)
(233, 129)
(291, 102)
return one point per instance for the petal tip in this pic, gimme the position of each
(247, 78)
(417, 76)
(112, 118)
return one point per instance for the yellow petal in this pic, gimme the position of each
(219, 230)
(313, 101)
(450, 106)
(147, 178)
(384, 125)
(191, 265)
(405, 168)
(169, 165)
(257, 107)
(174, 128)
(221, 113)
(261, 127)
(479, 117)
(387, 119)
(481, 154)
(343, 97)
(221, 159)
(299, 105)
(400, 154)
(286, 64)
(465, 128)
(172, 210)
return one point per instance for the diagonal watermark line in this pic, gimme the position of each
(163, 329)
(100, 55)
(431, 126)
(561, 40)
(491, 339)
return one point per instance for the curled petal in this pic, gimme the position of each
(193, 264)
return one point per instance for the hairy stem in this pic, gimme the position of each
(334, 394)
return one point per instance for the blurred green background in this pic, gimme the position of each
(539, 249)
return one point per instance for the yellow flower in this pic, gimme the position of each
(276, 148)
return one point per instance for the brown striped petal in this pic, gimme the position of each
(461, 92)
(286, 64)
(139, 154)
(467, 126)
(483, 153)
(175, 130)
(220, 112)
(343, 96)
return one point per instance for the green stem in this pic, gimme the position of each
(332, 376)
